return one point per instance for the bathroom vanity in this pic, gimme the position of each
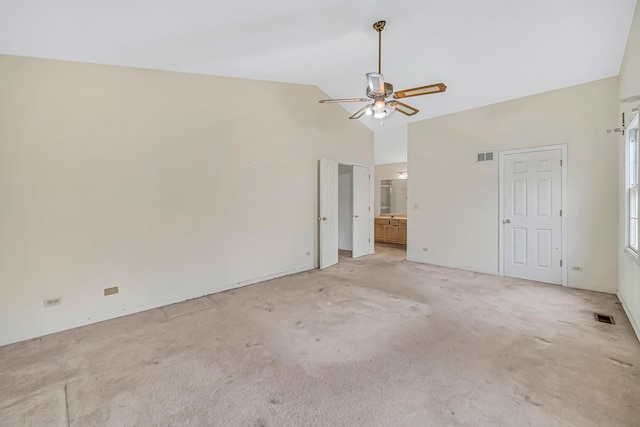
(391, 229)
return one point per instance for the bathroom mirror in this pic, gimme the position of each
(393, 196)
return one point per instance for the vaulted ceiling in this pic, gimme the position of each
(485, 51)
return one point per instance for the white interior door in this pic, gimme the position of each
(328, 213)
(361, 226)
(532, 203)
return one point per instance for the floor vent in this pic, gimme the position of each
(604, 318)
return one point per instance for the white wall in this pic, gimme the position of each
(345, 207)
(457, 215)
(390, 144)
(167, 185)
(382, 172)
(628, 272)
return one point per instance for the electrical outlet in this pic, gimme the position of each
(52, 301)
(110, 291)
(576, 269)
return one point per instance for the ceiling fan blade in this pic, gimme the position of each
(422, 90)
(359, 113)
(376, 83)
(405, 109)
(333, 101)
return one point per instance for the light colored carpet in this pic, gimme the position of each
(375, 341)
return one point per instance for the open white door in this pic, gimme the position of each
(532, 216)
(361, 226)
(328, 213)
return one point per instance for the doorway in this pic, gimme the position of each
(391, 208)
(533, 214)
(346, 222)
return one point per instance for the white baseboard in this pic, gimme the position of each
(634, 325)
(455, 267)
(101, 317)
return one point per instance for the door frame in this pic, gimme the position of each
(563, 198)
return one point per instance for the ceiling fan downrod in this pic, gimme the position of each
(379, 26)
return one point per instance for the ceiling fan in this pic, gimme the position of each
(382, 94)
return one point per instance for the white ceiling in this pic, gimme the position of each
(485, 51)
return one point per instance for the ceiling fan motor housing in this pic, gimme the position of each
(388, 91)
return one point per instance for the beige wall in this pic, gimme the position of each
(167, 185)
(457, 215)
(629, 272)
(390, 142)
(388, 171)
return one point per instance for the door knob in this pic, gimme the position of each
(355, 216)
(506, 221)
(324, 218)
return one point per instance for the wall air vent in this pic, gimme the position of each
(485, 156)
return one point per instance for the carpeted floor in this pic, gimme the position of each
(375, 341)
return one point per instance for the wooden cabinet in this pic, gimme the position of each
(379, 232)
(391, 234)
(391, 230)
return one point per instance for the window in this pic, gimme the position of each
(632, 189)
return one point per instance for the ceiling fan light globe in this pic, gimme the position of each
(369, 111)
(380, 114)
(379, 105)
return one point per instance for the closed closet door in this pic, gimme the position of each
(532, 203)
